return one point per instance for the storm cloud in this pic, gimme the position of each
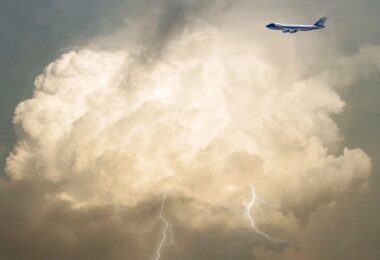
(185, 100)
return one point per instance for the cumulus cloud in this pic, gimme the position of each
(210, 118)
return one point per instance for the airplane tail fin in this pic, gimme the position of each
(321, 22)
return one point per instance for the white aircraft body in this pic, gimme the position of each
(293, 28)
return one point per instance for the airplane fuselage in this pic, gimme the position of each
(298, 27)
(293, 28)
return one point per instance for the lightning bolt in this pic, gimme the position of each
(167, 236)
(248, 208)
(164, 235)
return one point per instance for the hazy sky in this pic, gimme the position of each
(158, 122)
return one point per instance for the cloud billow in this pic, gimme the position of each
(106, 134)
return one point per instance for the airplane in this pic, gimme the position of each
(293, 28)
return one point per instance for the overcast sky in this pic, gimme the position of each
(199, 102)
